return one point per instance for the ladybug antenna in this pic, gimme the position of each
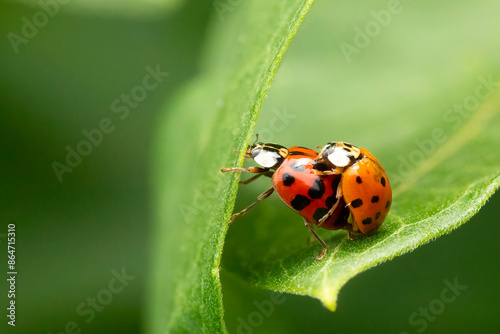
(256, 139)
(255, 142)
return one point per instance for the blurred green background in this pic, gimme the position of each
(71, 235)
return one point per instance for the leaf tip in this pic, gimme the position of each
(328, 297)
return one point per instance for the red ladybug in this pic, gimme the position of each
(295, 180)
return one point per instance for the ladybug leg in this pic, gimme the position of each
(332, 209)
(249, 169)
(352, 226)
(259, 171)
(324, 172)
(323, 251)
(262, 196)
(353, 223)
(335, 171)
(255, 177)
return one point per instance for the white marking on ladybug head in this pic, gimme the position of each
(267, 159)
(340, 157)
(340, 154)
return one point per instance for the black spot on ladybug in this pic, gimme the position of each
(330, 201)
(348, 145)
(298, 167)
(335, 184)
(375, 199)
(367, 221)
(319, 213)
(382, 181)
(300, 202)
(320, 166)
(357, 203)
(358, 179)
(317, 189)
(377, 215)
(288, 179)
(387, 204)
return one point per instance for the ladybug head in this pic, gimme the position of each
(340, 154)
(268, 155)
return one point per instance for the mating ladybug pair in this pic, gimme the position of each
(341, 187)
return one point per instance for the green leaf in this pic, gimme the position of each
(209, 119)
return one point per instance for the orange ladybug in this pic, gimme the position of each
(363, 186)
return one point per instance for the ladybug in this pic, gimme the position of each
(310, 192)
(363, 185)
